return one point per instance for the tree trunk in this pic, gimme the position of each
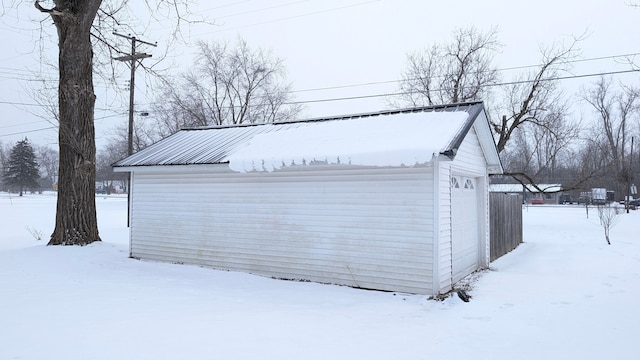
(76, 220)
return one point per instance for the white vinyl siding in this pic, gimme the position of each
(369, 227)
(444, 258)
(470, 164)
(472, 156)
(469, 159)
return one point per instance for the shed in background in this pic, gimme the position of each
(531, 194)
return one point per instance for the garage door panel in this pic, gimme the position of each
(464, 221)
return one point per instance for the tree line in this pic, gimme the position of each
(233, 84)
(539, 137)
(27, 168)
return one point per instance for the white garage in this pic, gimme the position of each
(395, 200)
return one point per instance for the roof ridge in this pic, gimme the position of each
(385, 112)
(346, 117)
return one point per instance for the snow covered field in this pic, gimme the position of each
(563, 294)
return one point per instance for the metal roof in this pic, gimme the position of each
(213, 145)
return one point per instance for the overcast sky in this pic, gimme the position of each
(357, 48)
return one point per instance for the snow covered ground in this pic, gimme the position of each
(563, 294)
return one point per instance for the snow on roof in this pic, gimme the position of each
(405, 139)
(401, 137)
(518, 188)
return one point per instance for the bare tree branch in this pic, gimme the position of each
(528, 101)
(229, 84)
(449, 73)
(82, 45)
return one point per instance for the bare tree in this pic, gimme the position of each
(230, 84)
(536, 125)
(80, 25)
(48, 162)
(145, 133)
(531, 97)
(608, 216)
(611, 137)
(459, 71)
(5, 151)
(114, 151)
(542, 152)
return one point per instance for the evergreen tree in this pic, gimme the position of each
(22, 171)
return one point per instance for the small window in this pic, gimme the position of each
(455, 183)
(468, 184)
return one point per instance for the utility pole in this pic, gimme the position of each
(133, 58)
(630, 191)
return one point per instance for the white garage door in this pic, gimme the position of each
(465, 229)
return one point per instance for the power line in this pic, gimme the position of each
(47, 128)
(22, 124)
(226, 5)
(290, 17)
(371, 96)
(29, 131)
(20, 103)
(384, 82)
(266, 9)
(499, 70)
(362, 97)
(558, 78)
(627, 55)
(259, 10)
(15, 103)
(490, 85)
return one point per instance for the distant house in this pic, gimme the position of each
(394, 200)
(538, 194)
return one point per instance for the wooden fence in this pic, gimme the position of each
(506, 223)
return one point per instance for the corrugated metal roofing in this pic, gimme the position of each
(213, 145)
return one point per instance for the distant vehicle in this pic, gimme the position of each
(632, 202)
(565, 199)
(585, 198)
(598, 196)
(101, 191)
(537, 201)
